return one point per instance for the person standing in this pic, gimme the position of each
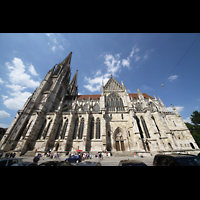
(36, 159)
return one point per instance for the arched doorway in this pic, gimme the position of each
(119, 140)
(56, 146)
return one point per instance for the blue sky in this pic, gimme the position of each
(142, 60)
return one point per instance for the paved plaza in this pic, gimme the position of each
(106, 161)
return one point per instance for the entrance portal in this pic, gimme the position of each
(56, 147)
(119, 141)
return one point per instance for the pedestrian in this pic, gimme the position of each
(51, 155)
(36, 159)
(1, 154)
(14, 154)
(55, 155)
(99, 156)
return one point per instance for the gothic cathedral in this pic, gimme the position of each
(56, 117)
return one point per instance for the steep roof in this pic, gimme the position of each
(97, 96)
(91, 96)
(135, 95)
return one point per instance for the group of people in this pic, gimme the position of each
(82, 156)
(87, 155)
(52, 154)
(8, 155)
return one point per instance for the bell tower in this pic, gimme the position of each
(48, 97)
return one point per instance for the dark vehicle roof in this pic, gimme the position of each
(53, 163)
(25, 164)
(175, 155)
(88, 163)
(131, 161)
(19, 159)
(180, 160)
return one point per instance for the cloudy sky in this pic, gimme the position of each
(139, 60)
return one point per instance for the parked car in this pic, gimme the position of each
(88, 163)
(131, 163)
(10, 161)
(25, 164)
(74, 159)
(55, 163)
(176, 160)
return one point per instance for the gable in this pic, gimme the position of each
(112, 84)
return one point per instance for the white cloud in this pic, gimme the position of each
(17, 74)
(96, 83)
(187, 119)
(4, 125)
(113, 65)
(145, 56)
(98, 73)
(134, 50)
(92, 88)
(137, 58)
(61, 47)
(53, 48)
(32, 70)
(126, 63)
(48, 34)
(19, 80)
(16, 88)
(17, 101)
(55, 40)
(178, 108)
(1, 81)
(4, 97)
(4, 114)
(173, 77)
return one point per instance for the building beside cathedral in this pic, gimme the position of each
(56, 117)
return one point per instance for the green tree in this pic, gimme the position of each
(195, 127)
(195, 119)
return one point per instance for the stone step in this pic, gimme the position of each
(29, 154)
(123, 154)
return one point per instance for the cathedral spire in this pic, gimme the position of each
(162, 105)
(176, 112)
(67, 60)
(73, 84)
(140, 95)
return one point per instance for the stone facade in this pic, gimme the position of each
(56, 117)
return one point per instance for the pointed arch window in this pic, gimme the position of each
(80, 135)
(155, 123)
(145, 127)
(98, 129)
(114, 103)
(92, 128)
(141, 133)
(41, 129)
(58, 130)
(47, 129)
(64, 129)
(75, 129)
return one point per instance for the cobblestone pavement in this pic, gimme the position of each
(112, 161)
